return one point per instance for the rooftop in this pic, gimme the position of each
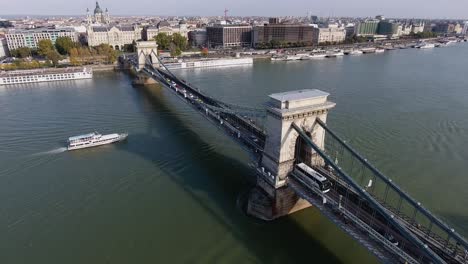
(299, 95)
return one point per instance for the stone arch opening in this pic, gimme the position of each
(303, 153)
(117, 47)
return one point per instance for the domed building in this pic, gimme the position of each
(101, 31)
(99, 17)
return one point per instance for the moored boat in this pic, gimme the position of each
(368, 50)
(93, 139)
(426, 46)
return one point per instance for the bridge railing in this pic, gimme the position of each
(255, 116)
(426, 226)
(417, 247)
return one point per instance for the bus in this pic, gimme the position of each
(311, 178)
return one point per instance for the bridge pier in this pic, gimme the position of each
(272, 198)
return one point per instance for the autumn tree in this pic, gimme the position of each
(21, 52)
(64, 44)
(53, 56)
(44, 46)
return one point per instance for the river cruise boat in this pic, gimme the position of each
(45, 75)
(334, 53)
(368, 50)
(353, 52)
(93, 140)
(426, 46)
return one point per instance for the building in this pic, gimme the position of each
(328, 35)
(387, 28)
(458, 29)
(99, 17)
(350, 30)
(273, 20)
(465, 28)
(284, 33)
(115, 36)
(229, 36)
(29, 38)
(429, 27)
(99, 30)
(198, 38)
(418, 28)
(149, 32)
(4, 52)
(367, 28)
(444, 28)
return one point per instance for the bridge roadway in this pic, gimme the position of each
(238, 127)
(343, 205)
(361, 207)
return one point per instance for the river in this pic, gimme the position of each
(170, 193)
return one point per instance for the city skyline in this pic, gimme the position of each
(358, 8)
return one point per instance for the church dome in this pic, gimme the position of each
(98, 9)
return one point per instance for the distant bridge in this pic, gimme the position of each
(291, 129)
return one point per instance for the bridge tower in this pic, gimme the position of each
(146, 49)
(272, 198)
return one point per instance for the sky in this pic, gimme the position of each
(355, 8)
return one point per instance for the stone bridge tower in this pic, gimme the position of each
(272, 198)
(144, 49)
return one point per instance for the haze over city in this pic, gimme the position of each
(357, 8)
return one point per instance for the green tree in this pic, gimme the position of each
(275, 43)
(64, 44)
(180, 41)
(44, 46)
(22, 52)
(53, 56)
(175, 51)
(163, 41)
(108, 51)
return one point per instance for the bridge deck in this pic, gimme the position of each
(365, 216)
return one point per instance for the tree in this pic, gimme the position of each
(275, 43)
(108, 51)
(44, 47)
(204, 52)
(22, 52)
(180, 41)
(163, 41)
(53, 56)
(175, 51)
(64, 44)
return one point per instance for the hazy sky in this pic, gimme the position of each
(389, 8)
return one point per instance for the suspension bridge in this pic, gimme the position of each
(292, 129)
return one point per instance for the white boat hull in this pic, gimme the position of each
(120, 137)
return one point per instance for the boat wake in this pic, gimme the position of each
(50, 152)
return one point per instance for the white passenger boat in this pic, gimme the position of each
(379, 50)
(293, 57)
(368, 50)
(426, 46)
(354, 52)
(334, 53)
(318, 55)
(93, 139)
